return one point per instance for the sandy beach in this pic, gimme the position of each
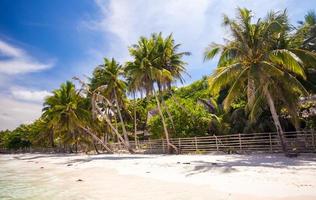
(160, 177)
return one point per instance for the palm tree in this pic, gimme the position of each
(169, 59)
(142, 73)
(133, 92)
(108, 77)
(258, 60)
(66, 113)
(155, 62)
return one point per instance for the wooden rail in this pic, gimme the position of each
(299, 141)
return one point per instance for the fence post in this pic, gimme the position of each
(270, 139)
(149, 144)
(179, 141)
(196, 146)
(313, 138)
(216, 143)
(163, 146)
(240, 147)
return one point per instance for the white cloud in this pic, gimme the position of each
(128, 20)
(18, 105)
(13, 112)
(9, 50)
(17, 66)
(29, 95)
(17, 61)
(194, 23)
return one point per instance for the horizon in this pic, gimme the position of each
(44, 44)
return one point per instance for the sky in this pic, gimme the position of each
(44, 43)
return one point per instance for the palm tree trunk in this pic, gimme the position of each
(51, 136)
(276, 121)
(96, 138)
(168, 113)
(121, 119)
(118, 134)
(169, 144)
(135, 123)
(95, 147)
(76, 143)
(123, 125)
(108, 121)
(250, 90)
(104, 137)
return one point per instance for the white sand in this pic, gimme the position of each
(162, 177)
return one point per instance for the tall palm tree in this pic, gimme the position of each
(108, 77)
(156, 63)
(142, 73)
(66, 113)
(256, 60)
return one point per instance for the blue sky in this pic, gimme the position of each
(44, 43)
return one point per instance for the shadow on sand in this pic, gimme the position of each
(80, 160)
(270, 161)
(34, 156)
(111, 157)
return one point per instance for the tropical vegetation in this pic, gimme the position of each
(265, 70)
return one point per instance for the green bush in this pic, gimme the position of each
(15, 140)
(188, 119)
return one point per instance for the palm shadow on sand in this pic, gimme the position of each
(270, 161)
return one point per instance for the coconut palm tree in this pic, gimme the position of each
(169, 59)
(108, 77)
(65, 110)
(156, 63)
(143, 73)
(257, 59)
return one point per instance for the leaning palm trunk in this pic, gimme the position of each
(135, 124)
(168, 113)
(96, 138)
(169, 144)
(95, 147)
(118, 135)
(276, 121)
(122, 122)
(96, 110)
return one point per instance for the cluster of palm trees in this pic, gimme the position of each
(267, 63)
(101, 103)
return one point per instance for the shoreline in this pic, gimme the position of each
(126, 176)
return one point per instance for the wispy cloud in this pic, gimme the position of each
(25, 94)
(14, 113)
(15, 60)
(18, 104)
(194, 23)
(9, 50)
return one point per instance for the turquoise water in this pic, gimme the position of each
(20, 182)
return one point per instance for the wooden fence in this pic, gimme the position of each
(299, 141)
(302, 141)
